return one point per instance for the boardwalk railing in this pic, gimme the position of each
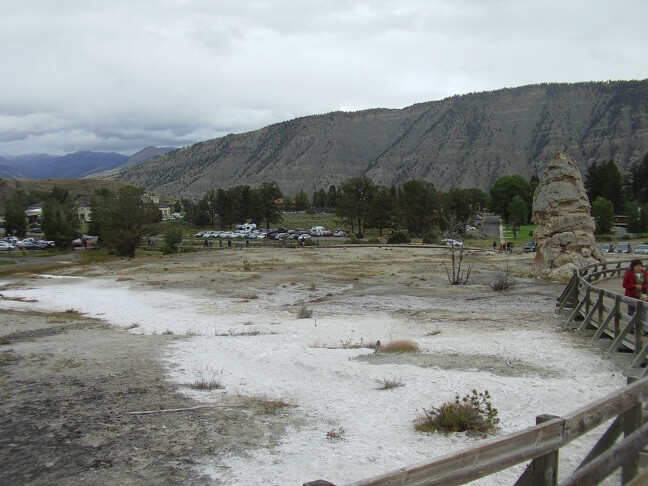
(604, 316)
(600, 313)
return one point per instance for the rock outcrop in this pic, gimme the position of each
(564, 223)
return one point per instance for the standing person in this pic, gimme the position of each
(634, 282)
(494, 245)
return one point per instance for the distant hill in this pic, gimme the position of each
(78, 188)
(462, 141)
(145, 155)
(80, 164)
(6, 170)
(74, 165)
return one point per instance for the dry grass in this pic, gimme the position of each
(193, 333)
(349, 344)
(400, 346)
(388, 384)
(64, 363)
(242, 332)
(335, 434)
(271, 406)
(208, 379)
(267, 405)
(304, 312)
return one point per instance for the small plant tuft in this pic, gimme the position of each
(208, 379)
(271, 406)
(167, 332)
(304, 312)
(4, 341)
(335, 434)
(473, 412)
(387, 384)
(400, 346)
(502, 281)
(64, 363)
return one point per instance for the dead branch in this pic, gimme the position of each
(168, 410)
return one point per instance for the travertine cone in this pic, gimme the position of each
(564, 223)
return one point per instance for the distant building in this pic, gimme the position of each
(83, 209)
(34, 212)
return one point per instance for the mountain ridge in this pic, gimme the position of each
(73, 165)
(462, 141)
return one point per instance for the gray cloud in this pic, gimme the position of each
(122, 75)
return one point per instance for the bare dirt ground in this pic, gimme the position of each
(68, 382)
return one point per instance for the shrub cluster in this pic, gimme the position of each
(472, 412)
(502, 281)
(398, 237)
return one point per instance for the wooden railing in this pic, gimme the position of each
(592, 310)
(603, 315)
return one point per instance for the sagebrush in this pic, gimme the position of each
(473, 412)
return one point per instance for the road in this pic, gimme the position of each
(491, 227)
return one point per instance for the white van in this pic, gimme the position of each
(317, 231)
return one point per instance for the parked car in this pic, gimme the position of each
(530, 246)
(31, 244)
(304, 237)
(451, 242)
(6, 246)
(607, 248)
(642, 249)
(623, 248)
(339, 233)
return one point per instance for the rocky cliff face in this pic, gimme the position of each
(463, 141)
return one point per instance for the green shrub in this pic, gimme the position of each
(398, 237)
(431, 237)
(353, 240)
(172, 238)
(472, 412)
(374, 241)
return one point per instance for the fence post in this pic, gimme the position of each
(617, 315)
(638, 328)
(545, 468)
(631, 422)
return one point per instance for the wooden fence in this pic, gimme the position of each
(598, 312)
(603, 315)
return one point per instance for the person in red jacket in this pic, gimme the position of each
(634, 282)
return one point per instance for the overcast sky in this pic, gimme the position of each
(124, 74)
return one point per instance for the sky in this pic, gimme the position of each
(122, 75)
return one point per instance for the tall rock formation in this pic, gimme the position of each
(565, 226)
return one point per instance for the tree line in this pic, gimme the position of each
(123, 219)
(360, 204)
(612, 192)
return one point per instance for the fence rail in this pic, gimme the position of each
(592, 310)
(602, 314)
